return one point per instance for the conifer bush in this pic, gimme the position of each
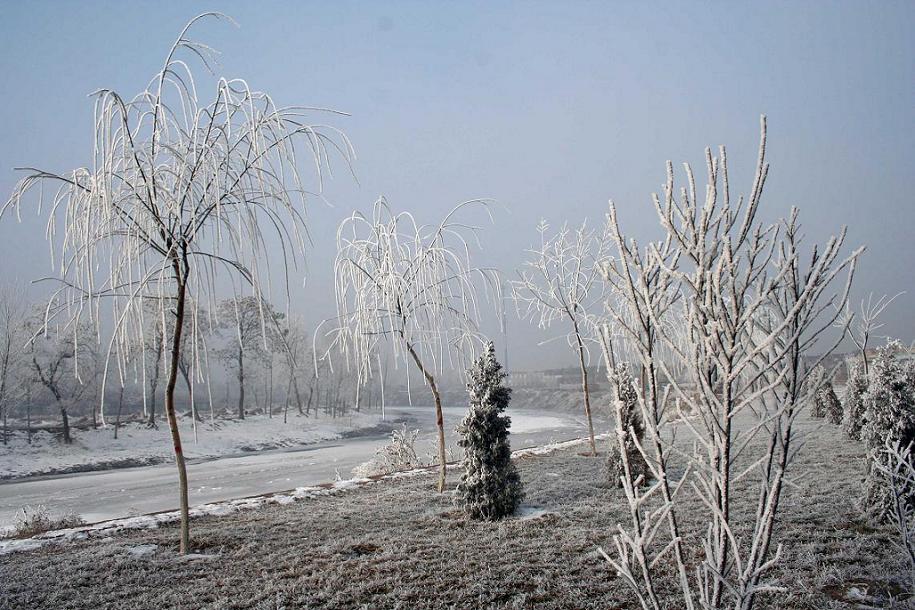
(853, 407)
(817, 381)
(889, 404)
(490, 486)
(830, 405)
(630, 425)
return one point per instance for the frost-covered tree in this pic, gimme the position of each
(13, 363)
(889, 405)
(829, 403)
(252, 331)
(853, 407)
(296, 361)
(561, 281)
(630, 430)
(59, 361)
(178, 192)
(897, 467)
(861, 327)
(490, 486)
(816, 384)
(720, 312)
(411, 288)
(152, 350)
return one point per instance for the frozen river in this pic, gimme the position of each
(110, 494)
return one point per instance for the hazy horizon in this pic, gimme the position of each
(549, 111)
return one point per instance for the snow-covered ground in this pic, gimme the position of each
(138, 444)
(117, 526)
(122, 492)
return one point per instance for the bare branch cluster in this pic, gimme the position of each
(719, 314)
(411, 288)
(561, 280)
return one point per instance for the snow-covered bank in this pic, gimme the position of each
(137, 444)
(567, 400)
(106, 529)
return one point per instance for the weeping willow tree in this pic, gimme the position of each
(179, 191)
(561, 281)
(411, 287)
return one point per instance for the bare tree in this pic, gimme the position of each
(57, 357)
(296, 360)
(12, 361)
(562, 281)
(253, 333)
(178, 191)
(412, 287)
(153, 350)
(736, 307)
(863, 327)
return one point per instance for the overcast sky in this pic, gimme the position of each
(550, 109)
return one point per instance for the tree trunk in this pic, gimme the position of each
(28, 414)
(286, 403)
(241, 384)
(269, 389)
(584, 388)
(152, 405)
(439, 418)
(117, 417)
(170, 410)
(66, 422)
(154, 382)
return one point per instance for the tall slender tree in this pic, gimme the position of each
(179, 191)
(252, 331)
(13, 364)
(562, 280)
(411, 287)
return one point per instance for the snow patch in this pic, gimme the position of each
(531, 512)
(552, 447)
(142, 550)
(137, 444)
(195, 557)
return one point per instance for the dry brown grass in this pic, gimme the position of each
(397, 544)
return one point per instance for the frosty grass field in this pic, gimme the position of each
(393, 544)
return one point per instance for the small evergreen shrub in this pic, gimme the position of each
(889, 404)
(830, 405)
(815, 382)
(629, 423)
(853, 408)
(490, 486)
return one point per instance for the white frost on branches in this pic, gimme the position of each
(178, 191)
(561, 281)
(411, 288)
(719, 314)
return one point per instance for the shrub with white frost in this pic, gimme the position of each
(853, 408)
(630, 426)
(829, 403)
(889, 404)
(399, 454)
(490, 486)
(816, 382)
